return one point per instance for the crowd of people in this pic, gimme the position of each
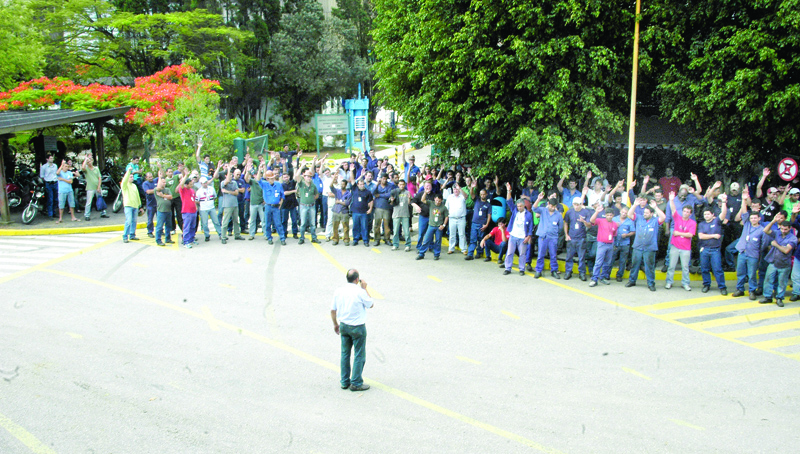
(366, 201)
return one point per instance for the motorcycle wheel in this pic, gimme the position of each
(117, 203)
(14, 201)
(29, 213)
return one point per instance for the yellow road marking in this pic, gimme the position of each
(434, 278)
(510, 314)
(74, 336)
(775, 343)
(794, 356)
(686, 424)
(682, 303)
(140, 265)
(376, 250)
(248, 260)
(777, 327)
(375, 294)
(638, 374)
(49, 263)
(227, 286)
(313, 359)
(591, 295)
(710, 310)
(212, 322)
(746, 318)
(25, 437)
(468, 360)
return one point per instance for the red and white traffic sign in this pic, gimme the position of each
(787, 169)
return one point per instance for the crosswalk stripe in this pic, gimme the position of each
(710, 310)
(775, 343)
(745, 318)
(682, 303)
(775, 328)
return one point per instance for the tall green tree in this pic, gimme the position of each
(728, 68)
(528, 86)
(314, 58)
(23, 58)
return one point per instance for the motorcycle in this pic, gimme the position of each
(35, 205)
(15, 194)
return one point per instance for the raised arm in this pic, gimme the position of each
(764, 174)
(560, 185)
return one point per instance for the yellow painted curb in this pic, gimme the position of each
(68, 231)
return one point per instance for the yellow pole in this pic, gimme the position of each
(632, 130)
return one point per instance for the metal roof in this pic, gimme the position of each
(12, 121)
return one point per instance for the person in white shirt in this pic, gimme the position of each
(49, 173)
(206, 196)
(456, 204)
(349, 315)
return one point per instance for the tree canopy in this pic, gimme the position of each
(728, 68)
(528, 86)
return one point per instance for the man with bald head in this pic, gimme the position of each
(272, 192)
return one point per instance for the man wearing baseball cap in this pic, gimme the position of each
(791, 201)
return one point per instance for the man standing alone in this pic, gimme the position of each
(349, 315)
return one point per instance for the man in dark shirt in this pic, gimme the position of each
(421, 208)
(481, 217)
(360, 207)
(289, 207)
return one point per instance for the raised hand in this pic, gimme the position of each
(671, 196)
(765, 172)
(694, 176)
(723, 198)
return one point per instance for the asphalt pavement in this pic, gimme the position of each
(117, 348)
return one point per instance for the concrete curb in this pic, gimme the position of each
(67, 231)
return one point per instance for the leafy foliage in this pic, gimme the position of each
(729, 68)
(517, 86)
(313, 59)
(23, 58)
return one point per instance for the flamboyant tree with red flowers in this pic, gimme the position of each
(168, 104)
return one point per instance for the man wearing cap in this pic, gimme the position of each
(272, 192)
(645, 243)
(550, 223)
(256, 200)
(575, 224)
(206, 196)
(606, 232)
(792, 200)
(683, 229)
(307, 195)
(779, 258)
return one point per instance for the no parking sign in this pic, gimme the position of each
(787, 169)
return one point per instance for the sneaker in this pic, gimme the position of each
(394, 248)
(687, 288)
(160, 244)
(134, 238)
(104, 215)
(664, 268)
(752, 296)
(668, 286)
(593, 283)
(355, 388)
(366, 244)
(188, 245)
(605, 282)
(407, 249)
(779, 302)
(355, 243)
(124, 240)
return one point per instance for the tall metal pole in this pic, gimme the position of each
(632, 130)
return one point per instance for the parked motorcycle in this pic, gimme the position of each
(15, 194)
(36, 202)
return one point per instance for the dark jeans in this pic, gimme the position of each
(177, 206)
(711, 260)
(499, 249)
(423, 227)
(360, 228)
(51, 187)
(646, 259)
(576, 247)
(285, 213)
(353, 338)
(475, 236)
(621, 253)
(151, 213)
